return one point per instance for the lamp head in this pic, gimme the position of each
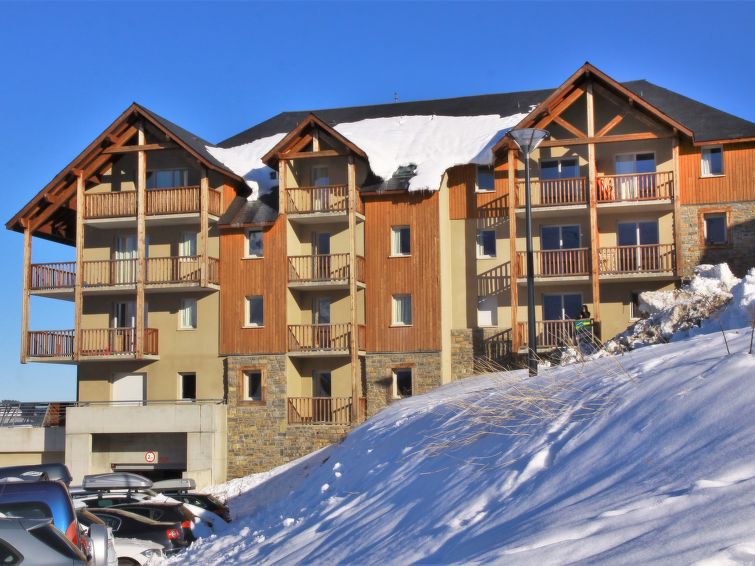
(527, 139)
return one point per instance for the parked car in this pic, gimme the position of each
(192, 526)
(36, 541)
(182, 490)
(170, 535)
(58, 472)
(129, 551)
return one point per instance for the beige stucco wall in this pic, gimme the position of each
(608, 225)
(31, 445)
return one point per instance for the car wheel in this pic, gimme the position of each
(127, 562)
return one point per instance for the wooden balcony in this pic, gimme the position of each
(554, 192)
(635, 188)
(324, 410)
(556, 264)
(318, 272)
(558, 333)
(637, 261)
(100, 275)
(323, 339)
(160, 202)
(95, 344)
(323, 203)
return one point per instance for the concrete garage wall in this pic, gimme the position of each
(32, 445)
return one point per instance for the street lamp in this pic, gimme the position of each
(527, 140)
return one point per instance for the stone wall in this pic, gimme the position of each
(739, 254)
(259, 436)
(475, 350)
(379, 377)
(462, 353)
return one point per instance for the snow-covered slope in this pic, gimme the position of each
(645, 458)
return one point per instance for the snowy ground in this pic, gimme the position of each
(645, 458)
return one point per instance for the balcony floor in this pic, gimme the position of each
(556, 280)
(655, 205)
(557, 210)
(88, 359)
(154, 220)
(638, 276)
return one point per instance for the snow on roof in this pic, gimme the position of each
(432, 143)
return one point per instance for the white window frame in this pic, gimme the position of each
(247, 241)
(190, 304)
(703, 150)
(563, 304)
(187, 246)
(395, 301)
(184, 174)
(394, 379)
(632, 314)
(248, 311)
(489, 301)
(477, 179)
(559, 160)
(396, 240)
(634, 154)
(480, 248)
(246, 377)
(725, 216)
(181, 376)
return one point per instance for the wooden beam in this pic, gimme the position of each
(301, 144)
(355, 381)
(141, 209)
(569, 127)
(78, 296)
(135, 148)
(610, 125)
(315, 139)
(680, 267)
(513, 285)
(560, 107)
(312, 154)
(594, 232)
(282, 196)
(204, 227)
(26, 296)
(638, 114)
(606, 139)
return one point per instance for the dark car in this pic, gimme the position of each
(170, 512)
(208, 502)
(130, 525)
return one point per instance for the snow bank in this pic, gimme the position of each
(432, 143)
(645, 458)
(713, 299)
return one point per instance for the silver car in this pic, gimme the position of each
(36, 541)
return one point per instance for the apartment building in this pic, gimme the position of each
(241, 304)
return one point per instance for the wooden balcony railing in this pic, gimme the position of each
(180, 269)
(636, 187)
(176, 200)
(94, 342)
(324, 410)
(557, 333)
(323, 268)
(556, 263)
(312, 200)
(323, 337)
(651, 258)
(110, 272)
(554, 192)
(47, 276)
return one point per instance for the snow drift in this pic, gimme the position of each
(432, 143)
(637, 459)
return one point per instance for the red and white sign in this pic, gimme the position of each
(150, 456)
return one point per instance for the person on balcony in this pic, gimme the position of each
(583, 328)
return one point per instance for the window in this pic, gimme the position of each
(485, 179)
(562, 307)
(320, 176)
(167, 178)
(253, 389)
(322, 385)
(716, 232)
(254, 311)
(402, 383)
(487, 311)
(187, 314)
(400, 240)
(553, 169)
(254, 244)
(712, 161)
(188, 385)
(634, 306)
(402, 310)
(187, 247)
(485, 244)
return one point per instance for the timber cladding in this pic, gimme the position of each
(418, 274)
(240, 278)
(736, 184)
(464, 202)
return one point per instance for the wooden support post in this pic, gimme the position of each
(25, 297)
(593, 187)
(512, 243)
(676, 195)
(352, 182)
(78, 296)
(141, 238)
(204, 227)
(282, 196)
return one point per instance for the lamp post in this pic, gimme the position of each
(527, 140)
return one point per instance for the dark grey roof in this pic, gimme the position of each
(706, 122)
(244, 212)
(196, 143)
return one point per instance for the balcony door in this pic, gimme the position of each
(557, 308)
(322, 391)
(321, 320)
(557, 181)
(636, 183)
(638, 246)
(125, 255)
(320, 193)
(554, 239)
(321, 256)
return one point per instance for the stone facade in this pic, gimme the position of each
(476, 350)
(426, 375)
(462, 353)
(739, 253)
(259, 436)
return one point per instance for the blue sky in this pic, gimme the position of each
(70, 68)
